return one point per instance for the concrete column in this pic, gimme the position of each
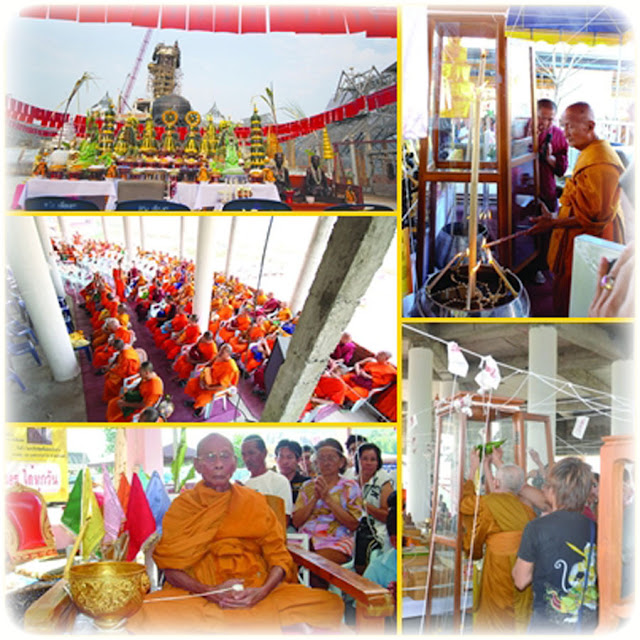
(181, 239)
(543, 360)
(354, 162)
(144, 451)
(105, 232)
(355, 251)
(623, 380)
(127, 221)
(64, 229)
(419, 433)
(204, 272)
(142, 234)
(30, 269)
(232, 238)
(49, 254)
(318, 242)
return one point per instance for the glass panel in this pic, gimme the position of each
(456, 66)
(442, 593)
(520, 97)
(448, 486)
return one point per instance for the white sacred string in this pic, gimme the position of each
(235, 587)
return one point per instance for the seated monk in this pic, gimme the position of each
(330, 389)
(175, 325)
(315, 180)
(369, 373)
(203, 351)
(146, 394)
(127, 363)
(257, 353)
(226, 331)
(222, 534)
(188, 335)
(221, 374)
(239, 343)
(103, 355)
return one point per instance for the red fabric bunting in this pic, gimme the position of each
(62, 12)
(34, 12)
(145, 16)
(226, 19)
(200, 18)
(254, 20)
(92, 13)
(384, 23)
(119, 13)
(174, 17)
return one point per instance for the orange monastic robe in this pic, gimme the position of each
(151, 392)
(224, 373)
(383, 374)
(190, 336)
(216, 536)
(329, 388)
(127, 364)
(592, 196)
(183, 367)
(102, 355)
(499, 607)
(178, 323)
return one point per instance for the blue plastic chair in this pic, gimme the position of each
(18, 329)
(59, 203)
(16, 378)
(150, 205)
(256, 204)
(21, 348)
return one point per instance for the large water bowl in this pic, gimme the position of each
(108, 592)
(447, 297)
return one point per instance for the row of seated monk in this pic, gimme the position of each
(241, 335)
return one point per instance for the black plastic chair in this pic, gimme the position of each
(358, 207)
(150, 205)
(59, 203)
(256, 204)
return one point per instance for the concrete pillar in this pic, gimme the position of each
(623, 380)
(142, 234)
(419, 433)
(312, 258)
(232, 237)
(105, 232)
(30, 269)
(543, 360)
(127, 221)
(144, 451)
(204, 272)
(64, 229)
(49, 254)
(355, 251)
(354, 162)
(181, 239)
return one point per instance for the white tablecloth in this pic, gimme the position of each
(196, 196)
(35, 187)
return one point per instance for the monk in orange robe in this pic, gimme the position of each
(370, 373)
(118, 280)
(203, 351)
(147, 394)
(226, 331)
(127, 364)
(221, 374)
(102, 355)
(590, 201)
(221, 534)
(330, 389)
(189, 335)
(499, 607)
(175, 325)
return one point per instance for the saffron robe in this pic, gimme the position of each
(592, 196)
(216, 536)
(501, 518)
(205, 351)
(382, 374)
(224, 373)
(127, 364)
(151, 392)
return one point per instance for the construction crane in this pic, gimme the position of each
(123, 101)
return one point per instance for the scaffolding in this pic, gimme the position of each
(164, 70)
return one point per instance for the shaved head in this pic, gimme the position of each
(213, 439)
(578, 122)
(583, 110)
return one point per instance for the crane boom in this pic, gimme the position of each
(126, 94)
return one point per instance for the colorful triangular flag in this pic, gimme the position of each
(140, 521)
(112, 509)
(158, 498)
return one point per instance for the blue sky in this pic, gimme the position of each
(44, 58)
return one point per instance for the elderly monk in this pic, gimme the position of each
(203, 351)
(187, 336)
(499, 607)
(590, 201)
(369, 373)
(221, 374)
(102, 355)
(147, 393)
(127, 363)
(219, 535)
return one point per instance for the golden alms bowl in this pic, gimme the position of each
(108, 592)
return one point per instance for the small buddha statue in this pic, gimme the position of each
(315, 180)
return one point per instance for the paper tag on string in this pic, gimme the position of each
(580, 427)
(457, 365)
(489, 376)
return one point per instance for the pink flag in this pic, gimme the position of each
(112, 510)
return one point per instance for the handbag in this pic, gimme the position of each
(366, 540)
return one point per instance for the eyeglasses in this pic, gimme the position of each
(328, 458)
(212, 458)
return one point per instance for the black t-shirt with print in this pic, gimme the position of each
(296, 482)
(558, 544)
